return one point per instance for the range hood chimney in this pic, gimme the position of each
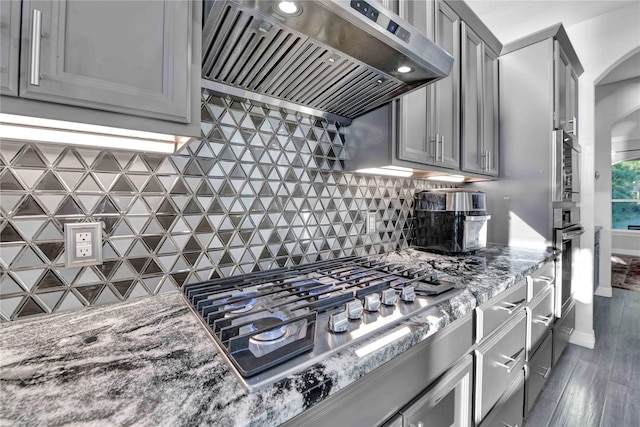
(331, 58)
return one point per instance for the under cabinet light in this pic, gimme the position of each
(388, 171)
(447, 178)
(33, 129)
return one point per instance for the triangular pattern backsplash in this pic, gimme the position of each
(263, 188)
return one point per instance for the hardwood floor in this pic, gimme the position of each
(599, 387)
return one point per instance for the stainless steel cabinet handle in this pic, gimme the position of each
(511, 362)
(569, 331)
(36, 35)
(508, 425)
(545, 320)
(511, 307)
(435, 146)
(488, 160)
(442, 148)
(547, 279)
(546, 373)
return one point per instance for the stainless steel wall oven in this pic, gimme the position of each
(566, 170)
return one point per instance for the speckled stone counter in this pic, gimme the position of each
(150, 362)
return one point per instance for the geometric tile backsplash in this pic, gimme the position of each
(263, 188)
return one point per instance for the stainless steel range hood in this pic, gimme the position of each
(333, 58)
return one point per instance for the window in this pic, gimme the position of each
(625, 195)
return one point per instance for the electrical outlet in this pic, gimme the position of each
(371, 222)
(83, 243)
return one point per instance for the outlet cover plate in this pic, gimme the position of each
(83, 243)
(371, 222)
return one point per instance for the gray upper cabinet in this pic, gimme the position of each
(479, 96)
(130, 57)
(9, 46)
(566, 91)
(429, 120)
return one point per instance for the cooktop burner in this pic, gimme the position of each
(270, 324)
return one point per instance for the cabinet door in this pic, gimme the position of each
(130, 57)
(413, 142)
(444, 110)
(561, 64)
(9, 46)
(473, 153)
(490, 113)
(572, 101)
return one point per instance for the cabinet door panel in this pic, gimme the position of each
(130, 57)
(561, 63)
(445, 111)
(572, 100)
(9, 46)
(414, 145)
(490, 113)
(474, 156)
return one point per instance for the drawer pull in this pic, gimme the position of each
(511, 361)
(511, 307)
(545, 320)
(546, 279)
(508, 425)
(569, 331)
(546, 373)
(36, 36)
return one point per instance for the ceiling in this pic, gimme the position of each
(512, 19)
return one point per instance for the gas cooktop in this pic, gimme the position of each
(271, 324)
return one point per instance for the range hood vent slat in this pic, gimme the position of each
(329, 60)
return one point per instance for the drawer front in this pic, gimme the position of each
(562, 331)
(540, 279)
(509, 410)
(447, 402)
(496, 311)
(539, 370)
(499, 361)
(540, 319)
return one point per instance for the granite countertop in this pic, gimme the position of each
(150, 362)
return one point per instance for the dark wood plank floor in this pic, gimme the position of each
(599, 387)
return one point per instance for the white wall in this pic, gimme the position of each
(613, 102)
(601, 43)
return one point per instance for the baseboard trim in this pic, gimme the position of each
(604, 291)
(630, 252)
(583, 339)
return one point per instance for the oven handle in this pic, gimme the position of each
(572, 232)
(477, 217)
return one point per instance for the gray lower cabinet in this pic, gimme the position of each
(131, 57)
(499, 360)
(563, 329)
(508, 411)
(538, 370)
(541, 317)
(447, 402)
(494, 313)
(479, 135)
(383, 393)
(9, 46)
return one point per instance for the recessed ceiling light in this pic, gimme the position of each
(404, 69)
(289, 7)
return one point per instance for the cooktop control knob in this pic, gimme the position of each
(408, 294)
(354, 309)
(389, 297)
(372, 302)
(338, 322)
